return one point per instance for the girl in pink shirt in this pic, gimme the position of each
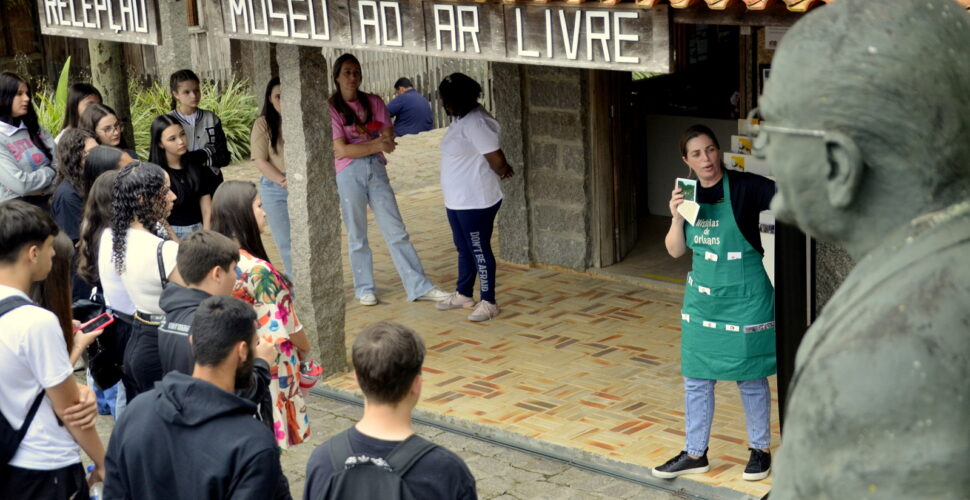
(362, 133)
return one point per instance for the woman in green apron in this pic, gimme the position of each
(728, 317)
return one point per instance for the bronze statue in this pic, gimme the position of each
(866, 123)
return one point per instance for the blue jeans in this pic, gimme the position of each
(274, 203)
(182, 231)
(699, 412)
(364, 182)
(472, 232)
(111, 401)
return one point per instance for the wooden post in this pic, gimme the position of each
(109, 73)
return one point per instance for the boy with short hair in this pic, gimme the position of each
(37, 372)
(191, 437)
(387, 361)
(206, 261)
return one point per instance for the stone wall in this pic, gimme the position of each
(556, 142)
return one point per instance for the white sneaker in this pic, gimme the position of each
(455, 301)
(484, 311)
(435, 295)
(368, 299)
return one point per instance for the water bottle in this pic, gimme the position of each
(96, 492)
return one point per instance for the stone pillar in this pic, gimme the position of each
(313, 202)
(109, 73)
(513, 218)
(174, 53)
(556, 139)
(262, 68)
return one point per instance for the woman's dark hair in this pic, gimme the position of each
(70, 158)
(156, 153)
(232, 215)
(54, 292)
(95, 112)
(138, 194)
(9, 85)
(97, 216)
(100, 159)
(696, 131)
(273, 119)
(459, 94)
(77, 93)
(337, 99)
(181, 76)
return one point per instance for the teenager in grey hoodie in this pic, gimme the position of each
(207, 141)
(27, 167)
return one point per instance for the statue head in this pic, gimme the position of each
(867, 117)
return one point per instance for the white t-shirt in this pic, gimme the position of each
(140, 282)
(115, 295)
(33, 356)
(467, 181)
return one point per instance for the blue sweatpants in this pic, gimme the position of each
(472, 232)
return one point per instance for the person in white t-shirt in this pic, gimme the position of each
(34, 361)
(472, 167)
(144, 262)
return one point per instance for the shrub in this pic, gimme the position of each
(235, 106)
(51, 106)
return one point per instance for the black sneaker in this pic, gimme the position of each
(682, 464)
(759, 465)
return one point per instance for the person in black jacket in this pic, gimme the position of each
(207, 262)
(191, 437)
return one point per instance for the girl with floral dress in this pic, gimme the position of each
(237, 213)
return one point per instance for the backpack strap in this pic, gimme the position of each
(161, 263)
(406, 454)
(340, 450)
(6, 305)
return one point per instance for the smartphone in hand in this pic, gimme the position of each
(98, 323)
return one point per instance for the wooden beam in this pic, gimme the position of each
(736, 15)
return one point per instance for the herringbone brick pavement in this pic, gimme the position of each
(573, 359)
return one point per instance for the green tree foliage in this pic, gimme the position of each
(235, 106)
(51, 108)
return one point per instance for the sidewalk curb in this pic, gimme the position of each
(572, 456)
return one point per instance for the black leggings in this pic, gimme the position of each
(472, 233)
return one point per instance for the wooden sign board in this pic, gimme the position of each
(130, 21)
(623, 37)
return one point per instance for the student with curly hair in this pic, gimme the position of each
(144, 262)
(67, 203)
(472, 168)
(27, 167)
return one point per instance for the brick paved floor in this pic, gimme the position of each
(574, 360)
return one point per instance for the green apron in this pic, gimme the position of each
(728, 318)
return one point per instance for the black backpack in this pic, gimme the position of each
(366, 478)
(10, 438)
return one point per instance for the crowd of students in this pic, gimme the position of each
(202, 359)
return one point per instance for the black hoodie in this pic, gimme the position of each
(175, 351)
(188, 439)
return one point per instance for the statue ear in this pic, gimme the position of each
(845, 168)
